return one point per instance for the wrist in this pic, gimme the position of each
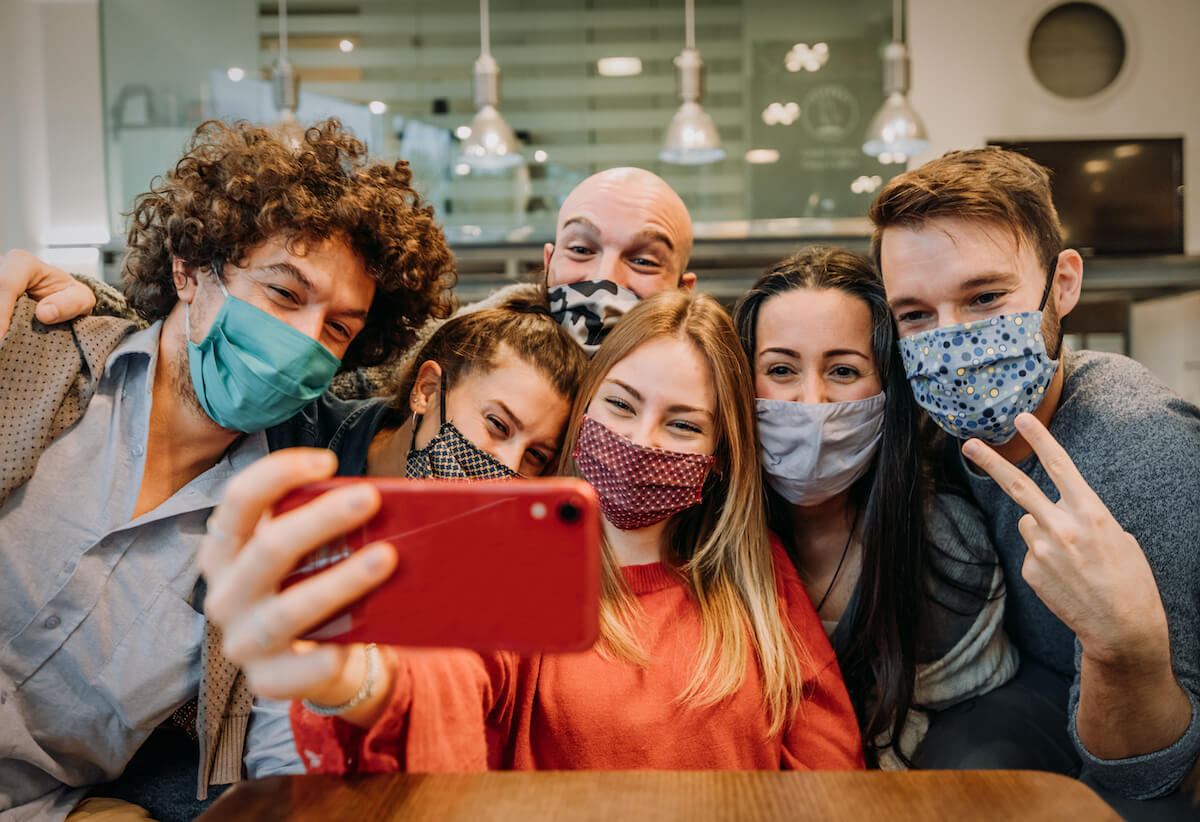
(1146, 655)
(346, 684)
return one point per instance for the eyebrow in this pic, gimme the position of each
(520, 426)
(582, 222)
(650, 236)
(288, 270)
(979, 281)
(674, 409)
(833, 352)
(647, 236)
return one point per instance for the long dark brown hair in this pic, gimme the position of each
(879, 666)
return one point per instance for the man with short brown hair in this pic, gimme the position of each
(1087, 468)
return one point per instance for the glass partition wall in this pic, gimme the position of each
(791, 87)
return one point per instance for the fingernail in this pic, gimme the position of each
(377, 558)
(322, 460)
(50, 313)
(359, 498)
(971, 448)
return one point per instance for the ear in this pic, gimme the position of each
(183, 276)
(427, 389)
(547, 250)
(688, 281)
(1068, 281)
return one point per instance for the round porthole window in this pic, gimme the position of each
(1076, 50)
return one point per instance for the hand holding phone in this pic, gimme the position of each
(496, 565)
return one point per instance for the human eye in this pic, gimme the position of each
(340, 330)
(844, 373)
(581, 250)
(645, 262)
(988, 299)
(619, 404)
(780, 370)
(686, 426)
(497, 426)
(282, 294)
(539, 459)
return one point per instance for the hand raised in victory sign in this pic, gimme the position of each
(1081, 563)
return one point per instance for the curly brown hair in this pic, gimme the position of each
(239, 185)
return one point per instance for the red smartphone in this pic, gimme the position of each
(493, 565)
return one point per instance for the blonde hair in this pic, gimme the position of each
(721, 547)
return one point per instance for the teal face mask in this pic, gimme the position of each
(252, 371)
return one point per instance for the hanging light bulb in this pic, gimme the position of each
(896, 132)
(286, 86)
(692, 137)
(492, 145)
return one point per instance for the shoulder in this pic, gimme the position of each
(325, 420)
(1122, 426)
(37, 348)
(1112, 391)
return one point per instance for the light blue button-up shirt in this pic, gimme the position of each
(99, 637)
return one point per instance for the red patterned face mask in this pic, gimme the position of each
(637, 485)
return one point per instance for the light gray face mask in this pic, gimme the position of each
(814, 451)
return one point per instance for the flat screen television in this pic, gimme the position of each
(1114, 196)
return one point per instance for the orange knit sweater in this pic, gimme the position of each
(461, 711)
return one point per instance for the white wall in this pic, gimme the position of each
(52, 171)
(972, 80)
(1164, 334)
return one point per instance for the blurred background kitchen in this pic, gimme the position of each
(781, 134)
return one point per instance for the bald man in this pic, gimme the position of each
(622, 234)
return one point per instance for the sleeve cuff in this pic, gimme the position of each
(1146, 776)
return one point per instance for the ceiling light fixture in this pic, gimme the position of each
(692, 137)
(619, 66)
(286, 85)
(762, 156)
(492, 145)
(896, 131)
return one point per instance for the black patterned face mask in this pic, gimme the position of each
(588, 309)
(450, 455)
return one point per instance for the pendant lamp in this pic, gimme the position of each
(492, 146)
(286, 86)
(896, 132)
(692, 137)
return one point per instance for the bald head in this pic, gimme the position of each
(625, 225)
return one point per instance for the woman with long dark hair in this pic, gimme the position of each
(902, 573)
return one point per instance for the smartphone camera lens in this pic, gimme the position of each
(569, 511)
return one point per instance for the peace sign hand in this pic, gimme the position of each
(1081, 563)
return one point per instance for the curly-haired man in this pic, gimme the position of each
(262, 269)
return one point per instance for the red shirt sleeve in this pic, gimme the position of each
(436, 718)
(823, 734)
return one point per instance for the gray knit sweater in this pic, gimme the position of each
(1138, 446)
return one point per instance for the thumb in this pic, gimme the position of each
(72, 301)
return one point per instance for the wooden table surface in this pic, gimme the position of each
(927, 796)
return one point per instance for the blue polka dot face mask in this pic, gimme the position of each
(973, 379)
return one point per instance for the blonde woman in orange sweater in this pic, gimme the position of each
(710, 656)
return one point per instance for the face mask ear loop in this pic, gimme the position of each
(1049, 282)
(442, 400)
